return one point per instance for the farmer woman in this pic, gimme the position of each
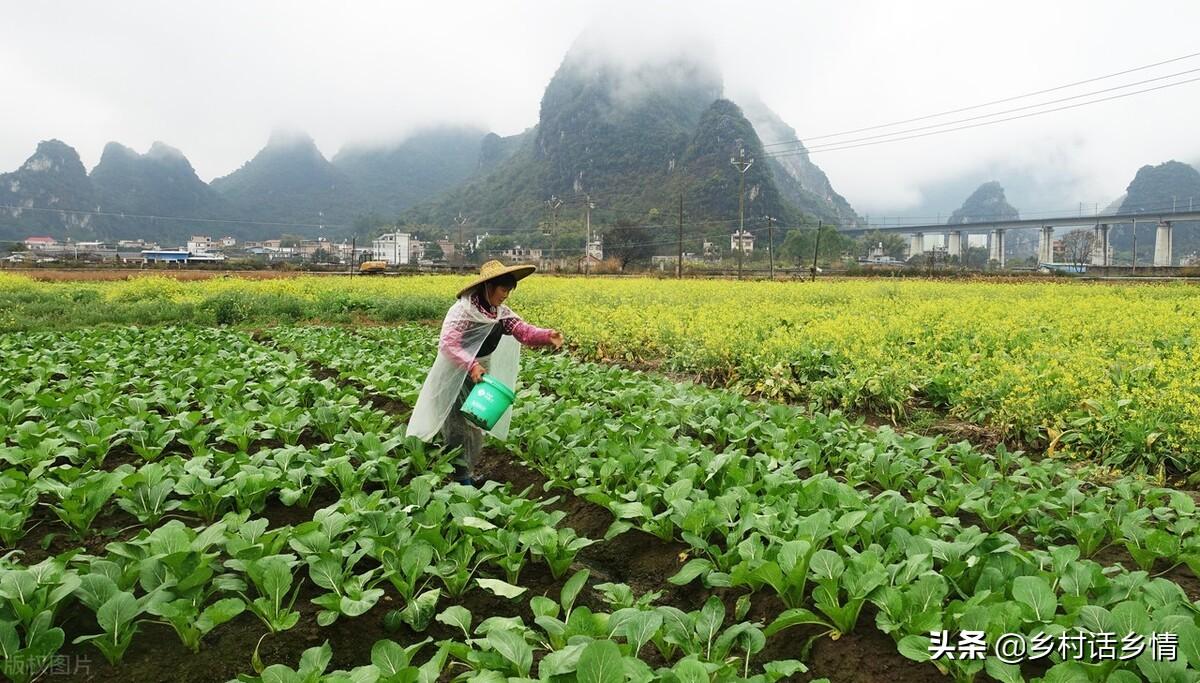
(479, 335)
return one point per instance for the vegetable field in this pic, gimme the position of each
(198, 503)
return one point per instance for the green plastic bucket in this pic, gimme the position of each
(487, 402)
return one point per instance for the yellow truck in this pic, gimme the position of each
(372, 268)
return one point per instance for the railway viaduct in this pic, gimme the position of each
(955, 235)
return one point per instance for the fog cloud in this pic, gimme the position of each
(215, 78)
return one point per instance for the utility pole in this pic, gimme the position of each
(771, 245)
(679, 265)
(1134, 270)
(553, 202)
(587, 240)
(353, 253)
(461, 220)
(742, 164)
(816, 250)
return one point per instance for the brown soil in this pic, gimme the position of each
(636, 558)
(865, 655)
(121, 455)
(1180, 574)
(46, 535)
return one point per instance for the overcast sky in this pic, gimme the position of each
(214, 78)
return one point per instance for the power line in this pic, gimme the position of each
(834, 147)
(985, 104)
(1006, 111)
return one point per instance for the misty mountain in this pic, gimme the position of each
(160, 182)
(393, 178)
(290, 181)
(714, 184)
(986, 203)
(1171, 184)
(495, 150)
(1164, 187)
(633, 137)
(1039, 189)
(802, 182)
(53, 178)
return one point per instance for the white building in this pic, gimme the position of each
(519, 254)
(393, 247)
(136, 245)
(746, 238)
(200, 244)
(228, 242)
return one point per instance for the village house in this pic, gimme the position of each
(746, 238)
(40, 242)
(393, 247)
(200, 244)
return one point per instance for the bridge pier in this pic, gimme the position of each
(997, 247)
(1101, 251)
(954, 243)
(1046, 245)
(1162, 244)
(916, 244)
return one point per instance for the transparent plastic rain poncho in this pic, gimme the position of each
(446, 377)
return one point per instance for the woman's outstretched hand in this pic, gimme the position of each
(476, 373)
(556, 339)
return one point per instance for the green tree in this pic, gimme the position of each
(494, 244)
(894, 245)
(369, 225)
(799, 244)
(974, 257)
(628, 242)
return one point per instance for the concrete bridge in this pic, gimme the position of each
(1100, 224)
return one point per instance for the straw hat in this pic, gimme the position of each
(494, 269)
